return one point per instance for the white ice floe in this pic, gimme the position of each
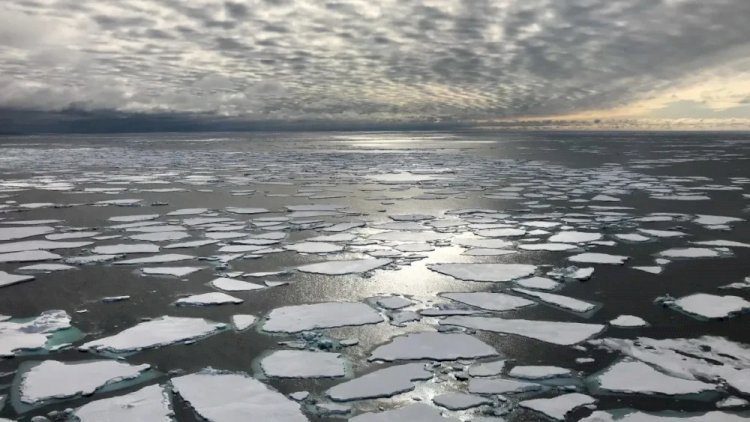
(44, 268)
(173, 271)
(653, 269)
(342, 227)
(230, 397)
(393, 302)
(574, 237)
(303, 364)
(552, 247)
(414, 247)
(539, 283)
(709, 306)
(314, 247)
(563, 333)
(663, 233)
(207, 299)
(147, 404)
(433, 346)
(241, 248)
(156, 259)
(636, 416)
(42, 381)
(191, 244)
(572, 273)
(28, 256)
(558, 407)
(188, 211)
(539, 372)
(338, 237)
(635, 377)
(500, 386)
(690, 253)
(564, 302)
(341, 267)
(489, 301)
(704, 358)
(598, 258)
(411, 217)
(503, 232)
(126, 249)
(386, 382)
(160, 236)
(155, 333)
(722, 243)
(13, 233)
(71, 235)
(242, 322)
(7, 279)
(89, 259)
(715, 220)
(487, 369)
(33, 334)
(484, 272)
(632, 237)
(487, 252)
(134, 218)
(234, 285)
(459, 401)
(417, 412)
(628, 321)
(30, 245)
(238, 210)
(296, 318)
(484, 243)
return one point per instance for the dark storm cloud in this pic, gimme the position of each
(396, 60)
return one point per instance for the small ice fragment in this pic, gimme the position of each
(45, 268)
(628, 321)
(598, 258)
(653, 269)
(565, 302)
(382, 383)
(574, 237)
(552, 247)
(393, 302)
(134, 218)
(7, 279)
(28, 256)
(710, 306)
(126, 249)
(156, 259)
(690, 253)
(234, 285)
(539, 283)
(539, 372)
(242, 322)
(314, 247)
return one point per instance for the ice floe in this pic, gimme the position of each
(635, 377)
(342, 267)
(489, 301)
(565, 302)
(433, 346)
(459, 401)
(558, 407)
(206, 299)
(386, 382)
(7, 279)
(598, 258)
(234, 285)
(147, 404)
(303, 364)
(708, 306)
(417, 412)
(296, 318)
(31, 334)
(563, 333)
(484, 272)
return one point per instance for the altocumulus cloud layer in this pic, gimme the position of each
(359, 60)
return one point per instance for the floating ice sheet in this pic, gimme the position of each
(490, 301)
(563, 333)
(417, 412)
(565, 302)
(303, 364)
(341, 267)
(635, 377)
(433, 346)
(207, 299)
(558, 407)
(7, 279)
(386, 382)
(293, 319)
(147, 404)
(484, 272)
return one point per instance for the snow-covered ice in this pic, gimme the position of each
(563, 333)
(433, 346)
(303, 364)
(296, 318)
(484, 272)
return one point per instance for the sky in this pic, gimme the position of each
(647, 64)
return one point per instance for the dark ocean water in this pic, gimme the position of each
(552, 177)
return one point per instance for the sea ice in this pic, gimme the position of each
(500, 386)
(417, 412)
(539, 283)
(147, 404)
(42, 381)
(563, 333)
(235, 397)
(303, 364)
(433, 346)
(484, 272)
(558, 407)
(341, 267)
(12, 233)
(296, 318)
(538, 372)
(32, 334)
(565, 302)
(628, 321)
(552, 247)
(156, 259)
(598, 258)
(7, 279)
(489, 301)
(28, 256)
(690, 253)
(574, 237)
(487, 369)
(126, 249)
(710, 306)
(459, 401)
(635, 377)
(386, 382)
(157, 332)
(636, 416)
(242, 322)
(234, 285)
(314, 247)
(206, 299)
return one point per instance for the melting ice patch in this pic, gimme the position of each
(598, 258)
(296, 318)
(484, 272)
(155, 333)
(7, 279)
(708, 306)
(636, 416)
(489, 301)
(433, 346)
(459, 401)
(417, 412)
(564, 302)
(574, 237)
(558, 407)
(30, 334)
(207, 299)
(635, 377)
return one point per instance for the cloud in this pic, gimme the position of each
(359, 60)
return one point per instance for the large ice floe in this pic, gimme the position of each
(303, 364)
(381, 383)
(558, 407)
(32, 334)
(157, 332)
(234, 397)
(296, 318)
(484, 272)
(417, 412)
(708, 306)
(563, 333)
(433, 346)
(344, 266)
